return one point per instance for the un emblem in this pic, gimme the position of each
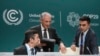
(12, 17)
(73, 19)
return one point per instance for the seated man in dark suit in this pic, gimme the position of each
(85, 38)
(29, 46)
(47, 32)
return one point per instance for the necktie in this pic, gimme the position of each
(45, 33)
(81, 44)
(33, 51)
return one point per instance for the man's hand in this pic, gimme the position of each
(62, 48)
(73, 47)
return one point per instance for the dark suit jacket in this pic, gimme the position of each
(22, 50)
(90, 45)
(52, 35)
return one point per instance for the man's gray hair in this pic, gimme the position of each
(45, 13)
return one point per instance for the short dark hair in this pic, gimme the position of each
(29, 34)
(85, 18)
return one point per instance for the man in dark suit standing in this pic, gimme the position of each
(85, 38)
(29, 46)
(45, 31)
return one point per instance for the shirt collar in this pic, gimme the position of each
(28, 47)
(42, 28)
(86, 31)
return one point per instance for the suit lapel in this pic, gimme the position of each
(40, 32)
(24, 50)
(87, 37)
(78, 37)
(50, 33)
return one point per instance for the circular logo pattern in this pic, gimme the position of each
(73, 19)
(12, 17)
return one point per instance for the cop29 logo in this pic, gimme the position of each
(73, 19)
(12, 16)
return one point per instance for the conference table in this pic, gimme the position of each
(68, 53)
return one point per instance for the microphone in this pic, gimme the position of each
(89, 50)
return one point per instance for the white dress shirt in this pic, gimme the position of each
(84, 36)
(29, 52)
(42, 30)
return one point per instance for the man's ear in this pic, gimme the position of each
(31, 39)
